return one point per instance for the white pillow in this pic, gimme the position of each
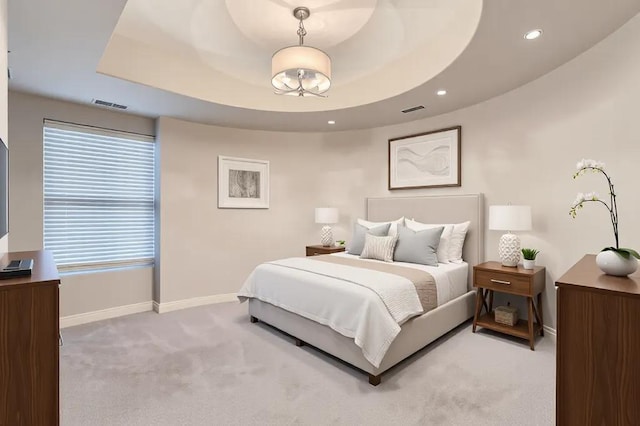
(457, 241)
(380, 248)
(445, 238)
(393, 229)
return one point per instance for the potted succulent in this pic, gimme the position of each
(529, 257)
(616, 260)
(340, 243)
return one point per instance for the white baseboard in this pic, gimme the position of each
(550, 332)
(165, 307)
(118, 311)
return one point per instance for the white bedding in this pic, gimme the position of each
(346, 304)
(451, 278)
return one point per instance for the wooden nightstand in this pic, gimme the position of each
(316, 250)
(492, 276)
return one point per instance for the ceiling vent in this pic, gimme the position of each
(415, 108)
(108, 104)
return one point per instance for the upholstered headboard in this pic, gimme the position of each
(438, 209)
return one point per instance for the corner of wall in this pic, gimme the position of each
(4, 88)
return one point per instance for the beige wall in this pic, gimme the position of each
(4, 120)
(520, 148)
(80, 292)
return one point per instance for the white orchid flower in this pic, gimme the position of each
(598, 167)
(591, 196)
(579, 200)
(589, 164)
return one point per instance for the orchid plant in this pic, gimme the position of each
(583, 167)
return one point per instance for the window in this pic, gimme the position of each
(99, 203)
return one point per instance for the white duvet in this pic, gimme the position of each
(368, 306)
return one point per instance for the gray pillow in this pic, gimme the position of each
(418, 247)
(359, 235)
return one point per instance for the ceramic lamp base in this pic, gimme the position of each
(509, 250)
(326, 236)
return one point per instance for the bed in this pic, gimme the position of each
(418, 331)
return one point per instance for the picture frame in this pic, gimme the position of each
(243, 183)
(426, 160)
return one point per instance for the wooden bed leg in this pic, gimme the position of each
(299, 342)
(253, 319)
(374, 380)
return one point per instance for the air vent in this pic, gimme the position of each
(100, 102)
(415, 108)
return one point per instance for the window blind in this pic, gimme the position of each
(99, 197)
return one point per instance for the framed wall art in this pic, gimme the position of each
(243, 183)
(426, 160)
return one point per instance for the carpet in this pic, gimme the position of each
(210, 366)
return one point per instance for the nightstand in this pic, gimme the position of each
(492, 276)
(316, 250)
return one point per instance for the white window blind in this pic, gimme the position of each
(99, 203)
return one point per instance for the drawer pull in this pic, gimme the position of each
(501, 282)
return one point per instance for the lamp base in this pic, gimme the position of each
(326, 236)
(509, 250)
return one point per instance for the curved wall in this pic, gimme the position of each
(520, 147)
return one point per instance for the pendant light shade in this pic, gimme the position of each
(301, 70)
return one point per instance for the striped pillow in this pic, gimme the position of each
(380, 248)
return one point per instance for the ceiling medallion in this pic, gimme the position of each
(301, 70)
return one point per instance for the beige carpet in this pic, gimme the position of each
(210, 366)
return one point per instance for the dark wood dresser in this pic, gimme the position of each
(598, 350)
(29, 351)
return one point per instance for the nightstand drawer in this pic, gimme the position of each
(318, 250)
(506, 283)
(314, 252)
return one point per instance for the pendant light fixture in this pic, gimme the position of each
(301, 70)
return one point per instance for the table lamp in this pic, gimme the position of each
(509, 218)
(326, 216)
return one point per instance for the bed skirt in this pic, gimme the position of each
(415, 334)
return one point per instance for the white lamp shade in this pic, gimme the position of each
(326, 215)
(315, 64)
(510, 218)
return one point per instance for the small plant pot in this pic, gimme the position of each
(528, 264)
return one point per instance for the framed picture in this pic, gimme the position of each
(425, 160)
(243, 183)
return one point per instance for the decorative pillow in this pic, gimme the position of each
(360, 232)
(418, 246)
(457, 241)
(445, 238)
(393, 229)
(380, 248)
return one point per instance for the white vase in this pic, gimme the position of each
(611, 263)
(528, 264)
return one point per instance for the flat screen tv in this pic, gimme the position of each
(4, 189)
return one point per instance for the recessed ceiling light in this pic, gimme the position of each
(331, 122)
(533, 34)
(441, 92)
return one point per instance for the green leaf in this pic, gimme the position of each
(624, 252)
(631, 252)
(529, 253)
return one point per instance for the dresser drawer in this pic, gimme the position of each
(505, 283)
